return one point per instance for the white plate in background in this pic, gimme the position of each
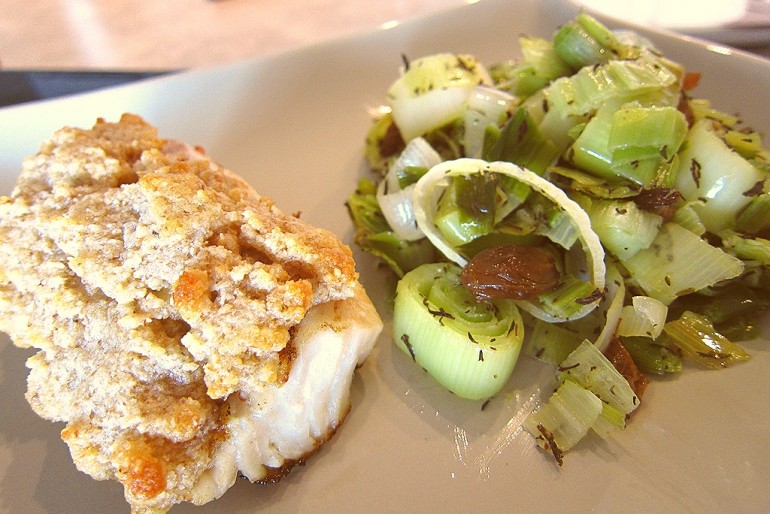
(731, 22)
(294, 125)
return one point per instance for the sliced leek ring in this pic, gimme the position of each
(429, 188)
(468, 347)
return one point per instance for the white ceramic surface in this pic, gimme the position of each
(743, 23)
(293, 125)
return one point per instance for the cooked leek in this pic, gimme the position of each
(590, 148)
(551, 342)
(711, 172)
(374, 235)
(467, 208)
(644, 317)
(564, 419)
(678, 262)
(432, 185)
(590, 368)
(696, 338)
(755, 217)
(486, 107)
(540, 65)
(623, 227)
(745, 247)
(651, 356)
(640, 133)
(629, 141)
(394, 193)
(522, 143)
(468, 347)
(578, 47)
(432, 91)
(592, 395)
(646, 78)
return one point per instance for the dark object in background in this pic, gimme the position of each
(18, 86)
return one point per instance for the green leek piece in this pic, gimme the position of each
(591, 153)
(623, 227)
(584, 42)
(747, 144)
(521, 142)
(640, 133)
(383, 144)
(580, 181)
(652, 357)
(468, 347)
(588, 367)
(373, 234)
(686, 217)
(410, 175)
(678, 262)
(486, 110)
(432, 92)
(696, 338)
(569, 297)
(609, 421)
(645, 317)
(702, 110)
(401, 256)
(564, 419)
(540, 65)
(629, 142)
(556, 126)
(748, 248)
(721, 179)
(755, 217)
(648, 79)
(467, 208)
(551, 342)
(727, 304)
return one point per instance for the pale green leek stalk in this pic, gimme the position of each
(396, 201)
(678, 262)
(629, 141)
(591, 394)
(623, 227)
(593, 371)
(432, 91)
(486, 107)
(644, 317)
(710, 172)
(695, 337)
(648, 77)
(748, 248)
(468, 347)
(565, 419)
(652, 356)
(755, 218)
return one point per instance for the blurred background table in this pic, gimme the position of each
(172, 34)
(54, 47)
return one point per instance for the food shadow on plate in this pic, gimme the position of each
(36, 472)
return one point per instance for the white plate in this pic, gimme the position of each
(294, 126)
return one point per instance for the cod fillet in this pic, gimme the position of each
(187, 331)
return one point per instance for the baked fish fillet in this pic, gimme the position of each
(187, 330)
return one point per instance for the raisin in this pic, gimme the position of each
(617, 354)
(510, 271)
(661, 201)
